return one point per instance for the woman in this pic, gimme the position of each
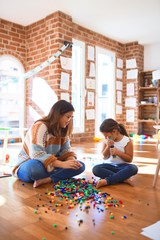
(46, 155)
(117, 151)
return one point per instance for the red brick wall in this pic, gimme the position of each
(34, 44)
(44, 38)
(12, 40)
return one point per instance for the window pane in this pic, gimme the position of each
(105, 85)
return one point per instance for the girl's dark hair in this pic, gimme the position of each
(52, 119)
(108, 125)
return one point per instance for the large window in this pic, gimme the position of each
(105, 86)
(78, 66)
(11, 93)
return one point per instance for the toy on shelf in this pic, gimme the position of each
(138, 137)
(97, 139)
(143, 136)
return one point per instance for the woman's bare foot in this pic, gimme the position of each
(39, 182)
(101, 183)
(129, 181)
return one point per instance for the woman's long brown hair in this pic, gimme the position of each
(52, 119)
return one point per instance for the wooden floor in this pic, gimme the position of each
(27, 213)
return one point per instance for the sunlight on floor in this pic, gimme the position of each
(2, 201)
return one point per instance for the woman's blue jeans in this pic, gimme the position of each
(115, 173)
(32, 170)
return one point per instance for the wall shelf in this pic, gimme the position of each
(148, 107)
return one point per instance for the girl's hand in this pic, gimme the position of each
(113, 151)
(110, 142)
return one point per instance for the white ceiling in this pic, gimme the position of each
(121, 20)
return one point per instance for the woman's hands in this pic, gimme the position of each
(50, 167)
(71, 162)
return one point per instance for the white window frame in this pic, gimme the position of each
(79, 114)
(112, 98)
(21, 88)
